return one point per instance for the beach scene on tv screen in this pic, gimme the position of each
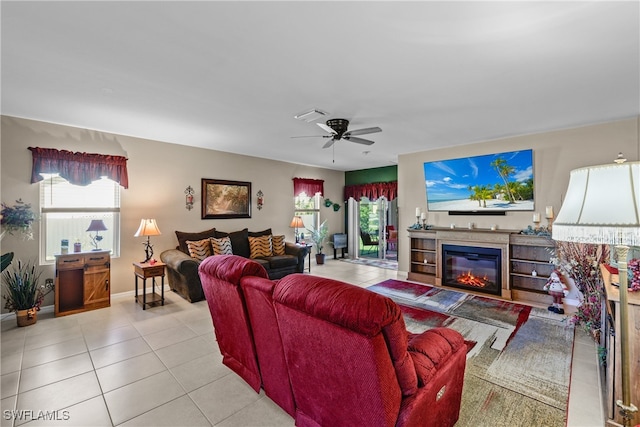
(501, 181)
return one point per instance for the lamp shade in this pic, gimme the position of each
(602, 206)
(97, 225)
(148, 227)
(296, 222)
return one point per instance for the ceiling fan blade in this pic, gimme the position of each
(329, 143)
(326, 128)
(308, 136)
(358, 140)
(363, 131)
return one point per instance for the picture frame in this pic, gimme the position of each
(222, 199)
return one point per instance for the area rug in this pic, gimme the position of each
(374, 262)
(519, 361)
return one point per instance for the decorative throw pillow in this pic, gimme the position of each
(221, 246)
(277, 243)
(260, 246)
(184, 236)
(199, 249)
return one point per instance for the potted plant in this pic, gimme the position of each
(14, 219)
(23, 292)
(18, 218)
(318, 236)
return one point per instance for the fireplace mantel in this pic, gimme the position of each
(519, 277)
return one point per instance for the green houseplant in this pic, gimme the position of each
(23, 292)
(16, 219)
(318, 236)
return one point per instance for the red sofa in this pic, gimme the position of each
(333, 354)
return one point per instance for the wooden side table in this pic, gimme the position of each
(145, 271)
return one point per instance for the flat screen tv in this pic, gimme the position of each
(481, 184)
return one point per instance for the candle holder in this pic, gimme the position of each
(418, 221)
(424, 224)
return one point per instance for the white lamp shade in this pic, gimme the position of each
(148, 227)
(602, 206)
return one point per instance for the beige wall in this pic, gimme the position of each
(158, 175)
(555, 154)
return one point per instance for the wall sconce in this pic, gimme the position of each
(189, 198)
(260, 196)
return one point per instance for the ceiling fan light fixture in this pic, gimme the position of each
(311, 115)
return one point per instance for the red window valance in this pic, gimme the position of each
(308, 186)
(78, 168)
(372, 191)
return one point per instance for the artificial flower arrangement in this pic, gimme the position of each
(581, 262)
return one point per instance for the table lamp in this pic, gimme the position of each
(96, 225)
(148, 227)
(296, 223)
(602, 206)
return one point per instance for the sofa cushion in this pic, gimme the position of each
(184, 236)
(264, 262)
(260, 247)
(199, 249)
(221, 246)
(239, 241)
(277, 245)
(282, 261)
(266, 232)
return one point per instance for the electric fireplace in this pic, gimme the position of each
(472, 268)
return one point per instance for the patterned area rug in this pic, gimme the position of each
(519, 368)
(374, 262)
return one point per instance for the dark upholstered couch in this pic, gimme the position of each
(182, 269)
(330, 353)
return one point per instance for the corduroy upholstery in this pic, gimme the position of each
(220, 277)
(330, 353)
(239, 295)
(350, 362)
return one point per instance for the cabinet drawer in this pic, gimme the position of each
(97, 259)
(154, 271)
(70, 262)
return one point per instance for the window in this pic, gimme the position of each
(67, 210)
(308, 208)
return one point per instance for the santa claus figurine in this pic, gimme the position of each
(558, 290)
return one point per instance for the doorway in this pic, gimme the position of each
(377, 222)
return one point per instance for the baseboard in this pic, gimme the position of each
(51, 308)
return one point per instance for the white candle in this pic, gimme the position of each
(423, 215)
(536, 217)
(549, 212)
(417, 211)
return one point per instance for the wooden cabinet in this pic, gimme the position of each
(611, 342)
(424, 257)
(82, 282)
(529, 267)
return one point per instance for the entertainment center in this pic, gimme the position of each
(500, 263)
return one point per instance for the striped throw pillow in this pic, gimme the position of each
(277, 242)
(199, 249)
(221, 246)
(260, 246)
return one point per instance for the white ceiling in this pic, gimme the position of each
(230, 76)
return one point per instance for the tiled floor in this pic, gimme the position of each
(161, 367)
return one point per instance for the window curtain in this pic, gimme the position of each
(78, 168)
(308, 186)
(372, 191)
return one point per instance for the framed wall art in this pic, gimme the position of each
(225, 199)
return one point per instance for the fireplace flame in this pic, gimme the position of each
(469, 279)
